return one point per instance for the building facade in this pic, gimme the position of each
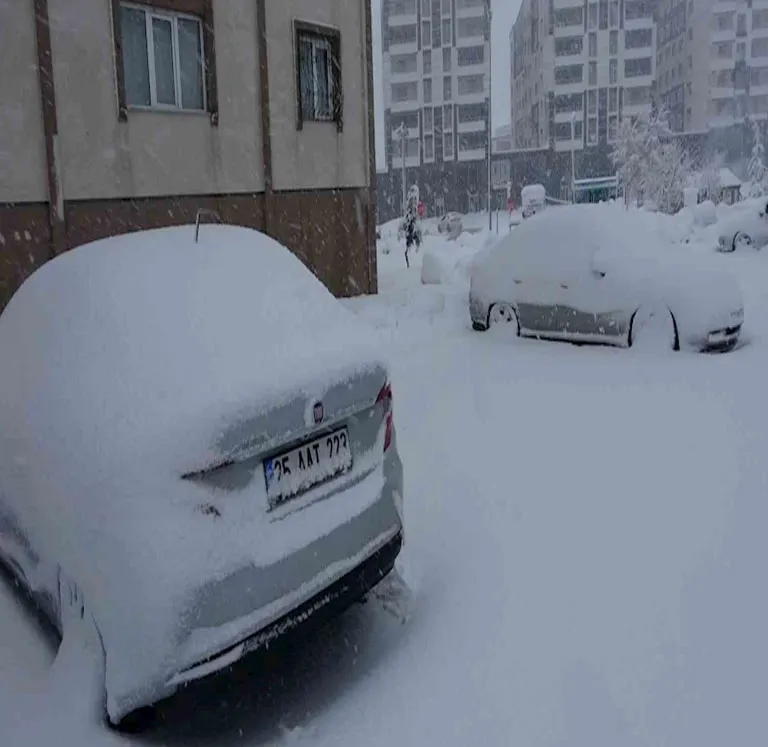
(435, 80)
(712, 61)
(577, 68)
(117, 116)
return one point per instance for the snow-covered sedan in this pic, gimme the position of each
(196, 451)
(451, 225)
(598, 274)
(745, 227)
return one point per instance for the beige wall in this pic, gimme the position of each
(22, 145)
(153, 153)
(317, 156)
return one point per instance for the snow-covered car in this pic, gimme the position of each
(196, 450)
(533, 198)
(597, 274)
(746, 226)
(451, 225)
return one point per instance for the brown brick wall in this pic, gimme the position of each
(25, 244)
(325, 228)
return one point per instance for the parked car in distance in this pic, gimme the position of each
(745, 227)
(589, 275)
(533, 198)
(451, 225)
(196, 448)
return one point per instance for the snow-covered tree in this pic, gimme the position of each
(757, 173)
(667, 175)
(709, 182)
(650, 166)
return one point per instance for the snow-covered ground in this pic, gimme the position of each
(585, 542)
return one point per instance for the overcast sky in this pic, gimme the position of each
(504, 14)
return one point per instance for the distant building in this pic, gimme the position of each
(118, 116)
(577, 68)
(435, 78)
(712, 62)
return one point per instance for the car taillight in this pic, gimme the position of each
(385, 398)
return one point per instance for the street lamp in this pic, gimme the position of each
(402, 133)
(488, 19)
(573, 156)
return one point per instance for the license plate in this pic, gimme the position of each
(293, 472)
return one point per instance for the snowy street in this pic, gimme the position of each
(585, 539)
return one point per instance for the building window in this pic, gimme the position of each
(446, 59)
(448, 146)
(429, 148)
(569, 74)
(428, 119)
(448, 117)
(614, 13)
(469, 84)
(427, 66)
(593, 44)
(162, 59)
(592, 15)
(470, 56)
(636, 67)
(402, 35)
(563, 131)
(427, 90)
(613, 99)
(446, 32)
(318, 74)
(637, 38)
(426, 34)
(592, 132)
(593, 73)
(613, 71)
(613, 42)
(613, 127)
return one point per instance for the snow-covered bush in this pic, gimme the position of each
(652, 167)
(757, 173)
(705, 214)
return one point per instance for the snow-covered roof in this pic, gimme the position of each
(728, 178)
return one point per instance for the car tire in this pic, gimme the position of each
(479, 327)
(654, 328)
(136, 722)
(742, 240)
(504, 314)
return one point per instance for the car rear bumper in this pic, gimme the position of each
(323, 606)
(252, 607)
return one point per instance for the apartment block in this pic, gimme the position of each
(712, 61)
(118, 116)
(577, 68)
(435, 77)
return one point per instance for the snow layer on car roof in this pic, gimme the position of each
(127, 335)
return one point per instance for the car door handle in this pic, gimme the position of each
(517, 282)
(563, 286)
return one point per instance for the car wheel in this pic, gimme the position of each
(503, 315)
(654, 329)
(479, 327)
(136, 722)
(742, 241)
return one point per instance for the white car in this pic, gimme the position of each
(451, 224)
(746, 226)
(196, 452)
(533, 198)
(596, 274)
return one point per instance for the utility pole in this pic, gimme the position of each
(402, 133)
(573, 157)
(488, 19)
